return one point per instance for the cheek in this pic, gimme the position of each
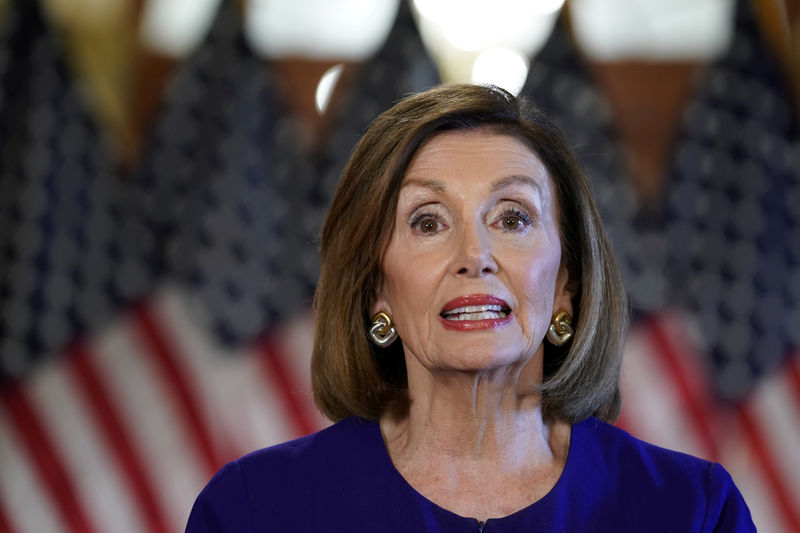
(407, 281)
(537, 284)
(412, 283)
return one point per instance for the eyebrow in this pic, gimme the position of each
(434, 185)
(515, 179)
(502, 183)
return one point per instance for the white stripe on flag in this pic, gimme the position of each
(201, 361)
(139, 392)
(651, 404)
(241, 404)
(252, 404)
(24, 496)
(775, 409)
(100, 487)
(743, 468)
(775, 405)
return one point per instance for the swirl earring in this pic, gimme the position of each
(560, 330)
(382, 333)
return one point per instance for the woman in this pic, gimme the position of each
(470, 320)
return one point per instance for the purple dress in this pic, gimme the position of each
(342, 479)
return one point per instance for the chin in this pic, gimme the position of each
(477, 358)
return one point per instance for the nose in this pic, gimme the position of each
(474, 257)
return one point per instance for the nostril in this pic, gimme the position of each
(462, 270)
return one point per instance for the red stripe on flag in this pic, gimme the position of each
(45, 458)
(158, 343)
(109, 421)
(780, 493)
(271, 361)
(5, 525)
(697, 406)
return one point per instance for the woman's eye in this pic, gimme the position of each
(426, 224)
(514, 221)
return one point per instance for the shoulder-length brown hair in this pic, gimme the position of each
(352, 377)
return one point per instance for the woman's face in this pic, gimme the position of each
(472, 274)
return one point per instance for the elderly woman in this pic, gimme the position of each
(470, 321)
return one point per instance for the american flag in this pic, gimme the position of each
(154, 328)
(712, 364)
(732, 226)
(151, 329)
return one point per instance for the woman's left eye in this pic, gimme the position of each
(513, 220)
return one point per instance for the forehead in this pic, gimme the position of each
(476, 155)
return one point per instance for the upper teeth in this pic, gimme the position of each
(473, 309)
(476, 312)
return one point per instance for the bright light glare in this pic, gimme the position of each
(342, 30)
(439, 9)
(325, 87)
(175, 27)
(653, 29)
(474, 25)
(502, 67)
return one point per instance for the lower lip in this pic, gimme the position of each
(472, 325)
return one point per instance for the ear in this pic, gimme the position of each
(565, 290)
(381, 303)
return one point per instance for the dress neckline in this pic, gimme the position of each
(549, 499)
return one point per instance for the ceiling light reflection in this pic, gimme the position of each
(503, 67)
(174, 27)
(325, 87)
(343, 30)
(442, 9)
(475, 25)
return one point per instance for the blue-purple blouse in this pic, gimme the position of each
(342, 479)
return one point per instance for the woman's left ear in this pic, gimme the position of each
(565, 290)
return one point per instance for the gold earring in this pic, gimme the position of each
(560, 330)
(382, 333)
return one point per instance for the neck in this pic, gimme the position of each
(493, 416)
(468, 436)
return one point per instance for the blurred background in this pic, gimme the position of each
(165, 167)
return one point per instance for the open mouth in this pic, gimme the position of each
(477, 312)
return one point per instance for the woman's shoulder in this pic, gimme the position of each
(345, 437)
(646, 476)
(620, 447)
(280, 481)
(639, 461)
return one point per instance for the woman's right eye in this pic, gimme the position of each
(426, 224)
